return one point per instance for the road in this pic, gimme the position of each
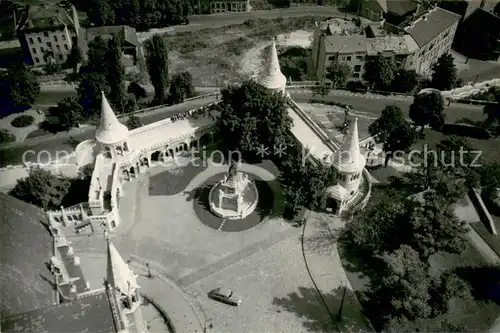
(371, 104)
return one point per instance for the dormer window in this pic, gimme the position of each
(46, 34)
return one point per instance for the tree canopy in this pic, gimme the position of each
(18, 89)
(133, 121)
(253, 118)
(427, 109)
(338, 72)
(69, 112)
(157, 63)
(393, 131)
(142, 15)
(181, 87)
(42, 189)
(379, 73)
(405, 81)
(444, 76)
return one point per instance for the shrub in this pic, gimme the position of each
(22, 121)
(6, 137)
(465, 130)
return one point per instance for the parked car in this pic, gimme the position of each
(223, 297)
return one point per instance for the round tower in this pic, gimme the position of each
(350, 162)
(111, 134)
(271, 76)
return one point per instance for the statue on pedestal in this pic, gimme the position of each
(233, 171)
(240, 203)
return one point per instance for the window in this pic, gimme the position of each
(46, 34)
(39, 39)
(33, 50)
(55, 38)
(42, 50)
(60, 57)
(342, 58)
(359, 58)
(49, 45)
(349, 58)
(37, 60)
(31, 40)
(357, 68)
(58, 48)
(331, 58)
(63, 37)
(66, 47)
(355, 75)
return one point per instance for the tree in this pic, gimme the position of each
(89, 92)
(42, 189)
(101, 13)
(444, 76)
(427, 109)
(393, 131)
(492, 112)
(115, 73)
(252, 118)
(496, 9)
(405, 81)
(18, 89)
(181, 87)
(137, 90)
(157, 62)
(490, 180)
(133, 121)
(379, 73)
(434, 226)
(75, 58)
(338, 73)
(69, 112)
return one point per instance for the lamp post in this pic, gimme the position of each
(339, 314)
(149, 270)
(207, 325)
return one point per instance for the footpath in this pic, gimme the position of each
(328, 275)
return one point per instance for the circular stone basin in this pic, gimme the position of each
(263, 208)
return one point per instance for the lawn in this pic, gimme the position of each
(214, 56)
(477, 315)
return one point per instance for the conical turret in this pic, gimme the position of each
(271, 77)
(349, 158)
(110, 130)
(119, 275)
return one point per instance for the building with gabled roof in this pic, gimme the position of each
(47, 33)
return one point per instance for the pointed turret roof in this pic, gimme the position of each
(110, 129)
(119, 275)
(349, 158)
(271, 77)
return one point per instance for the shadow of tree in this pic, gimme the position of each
(483, 280)
(173, 181)
(309, 306)
(49, 281)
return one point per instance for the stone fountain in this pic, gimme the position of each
(235, 196)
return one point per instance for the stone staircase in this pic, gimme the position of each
(364, 189)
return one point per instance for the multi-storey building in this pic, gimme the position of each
(434, 33)
(47, 33)
(230, 6)
(356, 50)
(393, 11)
(417, 47)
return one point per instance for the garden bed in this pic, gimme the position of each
(22, 121)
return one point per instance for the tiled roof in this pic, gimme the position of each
(128, 34)
(87, 314)
(362, 44)
(401, 7)
(45, 16)
(345, 44)
(26, 245)
(430, 25)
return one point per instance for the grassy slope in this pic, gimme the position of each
(213, 55)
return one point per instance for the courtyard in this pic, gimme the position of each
(166, 224)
